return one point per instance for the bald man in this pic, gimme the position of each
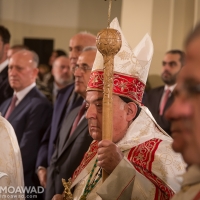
(67, 99)
(28, 111)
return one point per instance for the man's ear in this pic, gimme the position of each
(35, 72)
(131, 111)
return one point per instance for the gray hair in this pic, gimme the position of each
(90, 48)
(86, 33)
(35, 57)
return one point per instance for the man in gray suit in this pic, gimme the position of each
(73, 141)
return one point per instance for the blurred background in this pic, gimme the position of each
(44, 25)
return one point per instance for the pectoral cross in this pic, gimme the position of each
(67, 191)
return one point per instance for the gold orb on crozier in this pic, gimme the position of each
(108, 42)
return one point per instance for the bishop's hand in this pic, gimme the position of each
(108, 155)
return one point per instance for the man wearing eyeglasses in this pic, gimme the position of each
(66, 100)
(74, 139)
(160, 98)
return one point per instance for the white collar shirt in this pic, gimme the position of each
(171, 88)
(21, 94)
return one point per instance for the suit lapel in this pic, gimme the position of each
(82, 125)
(5, 108)
(62, 100)
(66, 127)
(60, 106)
(25, 101)
(158, 99)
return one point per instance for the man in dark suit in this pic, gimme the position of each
(72, 142)
(48, 82)
(29, 112)
(160, 98)
(67, 99)
(5, 90)
(60, 77)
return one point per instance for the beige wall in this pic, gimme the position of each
(136, 19)
(197, 11)
(53, 19)
(167, 21)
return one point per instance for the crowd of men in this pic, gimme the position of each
(154, 145)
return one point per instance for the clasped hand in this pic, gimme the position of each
(108, 155)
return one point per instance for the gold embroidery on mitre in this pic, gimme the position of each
(125, 65)
(124, 55)
(122, 86)
(134, 59)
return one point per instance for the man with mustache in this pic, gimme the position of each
(184, 116)
(160, 98)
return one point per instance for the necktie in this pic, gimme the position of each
(164, 101)
(11, 107)
(78, 117)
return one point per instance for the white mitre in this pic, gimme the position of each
(131, 67)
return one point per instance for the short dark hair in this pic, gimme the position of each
(181, 53)
(61, 52)
(5, 34)
(193, 34)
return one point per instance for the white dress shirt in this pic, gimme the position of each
(171, 88)
(21, 94)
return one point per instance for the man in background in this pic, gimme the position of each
(55, 54)
(160, 98)
(62, 75)
(13, 49)
(74, 138)
(5, 90)
(28, 111)
(45, 78)
(67, 100)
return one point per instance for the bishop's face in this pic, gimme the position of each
(94, 116)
